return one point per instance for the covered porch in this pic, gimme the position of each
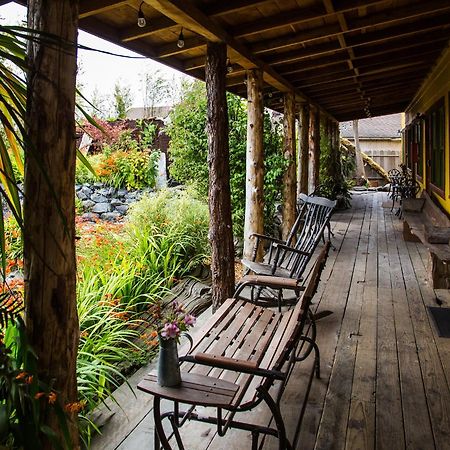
(385, 370)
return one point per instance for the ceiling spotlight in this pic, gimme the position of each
(229, 66)
(180, 42)
(270, 94)
(141, 18)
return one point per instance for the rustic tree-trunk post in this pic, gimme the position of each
(49, 204)
(220, 229)
(337, 168)
(254, 184)
(304, 148)
(316, 149)
(360, 170)
(289, 177)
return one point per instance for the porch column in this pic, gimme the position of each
(254, 184)
(49, 205)
(316, 149)
(304, 148)
(220, 228)
(336, 170)
(289, 177)
(313, 149)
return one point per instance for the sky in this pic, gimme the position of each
(100, 72)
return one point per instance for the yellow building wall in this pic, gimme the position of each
(435, 87)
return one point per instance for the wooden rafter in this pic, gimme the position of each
(296, 17)
(397, 17)
(190, 17)
(93, 7)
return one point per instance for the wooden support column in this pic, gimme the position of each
(289, 177)
(336, 172)
(304, 148)
(220, 228)
(314, 148)
(49, 205)
(254, 184)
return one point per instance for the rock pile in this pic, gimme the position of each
(101, 201)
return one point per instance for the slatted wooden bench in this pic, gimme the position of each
(424, 222)
(244, 355)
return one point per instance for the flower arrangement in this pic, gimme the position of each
(171, 320)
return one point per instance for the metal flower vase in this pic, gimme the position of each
(168, 363)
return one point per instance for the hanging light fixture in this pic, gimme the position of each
(180, 42)
(141, 22)
(229, 66)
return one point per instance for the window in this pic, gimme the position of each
(418, 139)
(436, 136)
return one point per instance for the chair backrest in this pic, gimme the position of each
(313, 218)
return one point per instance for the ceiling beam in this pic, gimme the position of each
(379, 40)
(97, 28)
(93, 7)
(296, 16)
(400, 69)
(153, 26)
(190, 17)
(330, 31)
(231, 6)
(311, 71)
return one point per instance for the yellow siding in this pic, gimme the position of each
(435, 87)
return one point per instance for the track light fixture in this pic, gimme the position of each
(180, 42)
(141, 22)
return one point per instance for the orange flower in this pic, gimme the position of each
(21, 375)
(39, 395)
(75, 407)
(29, 379)
(153, 334)
(52, 398)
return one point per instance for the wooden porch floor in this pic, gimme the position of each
(385, 372)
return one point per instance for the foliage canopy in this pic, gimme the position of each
(189, 151)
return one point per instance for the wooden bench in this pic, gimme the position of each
(243, 356)
(424, 222)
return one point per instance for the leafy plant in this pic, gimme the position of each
(189, 148)
(333, 182)
(24, 399)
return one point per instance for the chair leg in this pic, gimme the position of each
(283, 443)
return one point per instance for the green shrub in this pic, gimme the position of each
(168, 232)
(189, 149)
(132, 169)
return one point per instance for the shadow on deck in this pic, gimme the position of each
(385, 372)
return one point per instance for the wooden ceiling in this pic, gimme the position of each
(353, 58)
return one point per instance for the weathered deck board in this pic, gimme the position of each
(385, 372)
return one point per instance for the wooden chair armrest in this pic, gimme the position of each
(236, 365)
(272, 282)
(266, 238)
(290, 249)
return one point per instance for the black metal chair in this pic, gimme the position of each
(288, 259)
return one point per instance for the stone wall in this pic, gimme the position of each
(101, 201)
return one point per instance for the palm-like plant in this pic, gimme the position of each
(12, 113)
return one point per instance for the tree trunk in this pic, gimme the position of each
(289, 177)
(312, 163)
(316, 149)
(220, 229)
(304, 147)
(254, 185)
(336, 171)
(49, 205)
(360, 170)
